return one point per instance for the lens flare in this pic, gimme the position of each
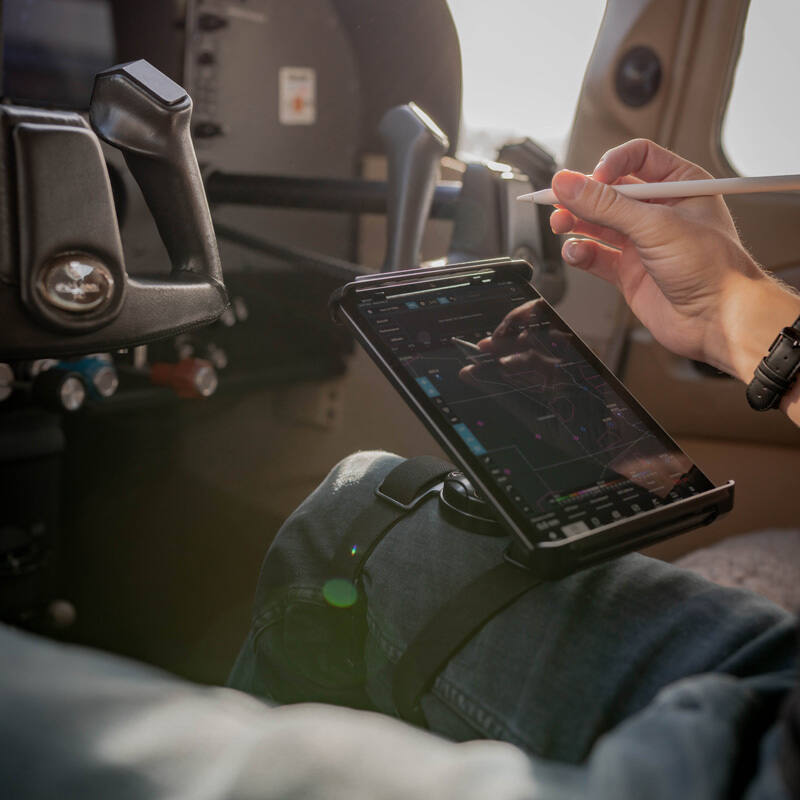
(340, 593)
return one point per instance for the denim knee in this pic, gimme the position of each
(301, 647)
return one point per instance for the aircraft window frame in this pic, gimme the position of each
(493, 46)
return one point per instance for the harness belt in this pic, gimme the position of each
(404, 489)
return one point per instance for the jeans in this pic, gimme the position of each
(632, 677)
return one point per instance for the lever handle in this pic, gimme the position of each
(76, 296)
(146, 115)
(414, 145)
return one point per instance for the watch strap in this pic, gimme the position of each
(777, 371)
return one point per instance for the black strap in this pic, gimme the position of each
(405, 482)
(453, 625)
(403, 489)
(776, 372)
(407, 486)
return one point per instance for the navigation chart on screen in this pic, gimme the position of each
(496, 364)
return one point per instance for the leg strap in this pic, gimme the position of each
(407, 486)
(404, 489)
(453, 625)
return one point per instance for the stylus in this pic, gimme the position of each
(701, 188)
(473, 348)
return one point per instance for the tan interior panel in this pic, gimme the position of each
(687, 403)
(765, 494)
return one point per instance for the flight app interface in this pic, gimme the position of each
(496, 365)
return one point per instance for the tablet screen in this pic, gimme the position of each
(525, 402)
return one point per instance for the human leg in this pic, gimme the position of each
(76, 723)
(564, 664)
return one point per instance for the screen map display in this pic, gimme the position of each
(534, 412)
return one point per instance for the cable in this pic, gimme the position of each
(331, 267)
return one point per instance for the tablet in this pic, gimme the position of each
(570, 462)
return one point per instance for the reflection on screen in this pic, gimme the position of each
(497, 365)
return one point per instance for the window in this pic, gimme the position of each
(523, 65)
(761, 129)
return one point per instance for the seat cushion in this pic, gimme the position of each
(766, 562)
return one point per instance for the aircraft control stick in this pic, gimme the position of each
(414, 146)
(66, 291)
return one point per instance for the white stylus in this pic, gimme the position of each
(700, 188)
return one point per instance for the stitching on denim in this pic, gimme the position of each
(455, 698)
(390, 649)
(271, 614)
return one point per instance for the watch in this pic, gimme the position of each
(777, 371)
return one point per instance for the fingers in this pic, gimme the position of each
(600, 204)
(645, 160)
(562, 221)
(516, 318)
(502, 345)
(593, 257)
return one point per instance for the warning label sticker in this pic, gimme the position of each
(297, 96)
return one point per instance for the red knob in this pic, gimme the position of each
(190, 377)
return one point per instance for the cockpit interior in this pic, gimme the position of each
(184, 183)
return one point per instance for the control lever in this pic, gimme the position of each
(69, 292)
(414, 145)
(143, 113)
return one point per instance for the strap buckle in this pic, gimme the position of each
(416, 501)
(792, 335)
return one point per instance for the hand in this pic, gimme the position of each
(510, 352)
(678, 263)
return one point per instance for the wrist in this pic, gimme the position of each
(757, 309)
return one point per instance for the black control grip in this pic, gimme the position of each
(146, 115)
(414, 145)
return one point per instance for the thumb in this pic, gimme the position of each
(601, 204)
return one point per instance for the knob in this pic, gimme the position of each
(59, 389)
(190, 377)
(98, 373)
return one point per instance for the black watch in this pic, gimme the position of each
(777, 371)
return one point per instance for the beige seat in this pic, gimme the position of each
(765, 562)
